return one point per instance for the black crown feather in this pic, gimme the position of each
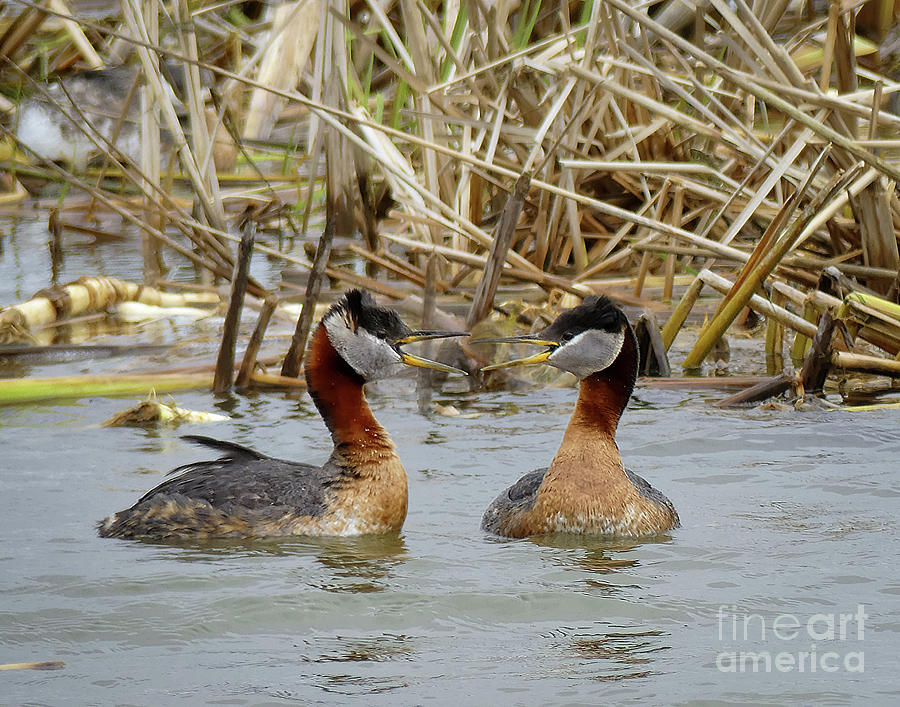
(359, 309)
(595, 312)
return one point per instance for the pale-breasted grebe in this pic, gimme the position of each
(586, 489)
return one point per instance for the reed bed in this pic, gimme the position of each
(654, 152)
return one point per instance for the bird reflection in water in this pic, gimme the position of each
(347, 655)
(360, 564)
(596, 557)
(343, 649)
(621, 652)
(615, 651)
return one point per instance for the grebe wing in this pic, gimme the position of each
(526, 487)
(647, 491)
(243, 478)
(230, 448)
(518, 497)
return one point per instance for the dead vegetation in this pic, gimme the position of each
(657, 153)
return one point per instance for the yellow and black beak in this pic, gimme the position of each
(541, 357)
(413, 360)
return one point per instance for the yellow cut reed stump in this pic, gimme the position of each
(88, 294)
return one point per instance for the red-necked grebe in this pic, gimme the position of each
(361, 489)
(586, 489)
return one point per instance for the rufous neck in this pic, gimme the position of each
(602, 396)
(337, 391)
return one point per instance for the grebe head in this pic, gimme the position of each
(369, 337)
(583, 340)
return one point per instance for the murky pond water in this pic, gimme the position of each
(790, 530)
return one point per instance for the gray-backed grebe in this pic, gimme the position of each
(360, 489)
(586, 489)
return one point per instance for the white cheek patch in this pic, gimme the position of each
(369, 356)
(339, 334)
(589, 352)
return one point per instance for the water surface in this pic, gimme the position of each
(783, 514)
